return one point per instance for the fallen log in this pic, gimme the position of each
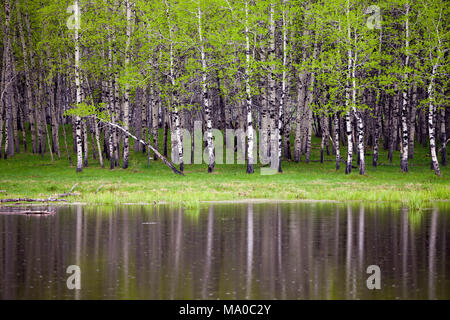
(31, 200)
(28, 212)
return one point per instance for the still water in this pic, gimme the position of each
(227, 251)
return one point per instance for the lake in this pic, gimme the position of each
(301, 250)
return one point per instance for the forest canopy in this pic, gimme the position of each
(356, 74)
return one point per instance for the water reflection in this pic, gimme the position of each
(244, 251)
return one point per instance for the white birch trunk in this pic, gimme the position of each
(431, 126)
(126, 102)
(359, 120)
(110, 90)
(175, 112)
(405, 135)
(336, 141)
(271, 83)
(248, 96)
(348, 118)
(78, 94)
(209, 132)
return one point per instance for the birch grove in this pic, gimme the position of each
(344, 77)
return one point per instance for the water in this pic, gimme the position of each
(227, 251)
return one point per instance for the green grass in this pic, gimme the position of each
(30, 175)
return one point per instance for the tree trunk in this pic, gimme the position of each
(65, 143)
(110, 104)
(412, 123)
(6, 88)
(78, 95)
(405, 122)
(209, 132)
(431, 126)
(126, 103)
(33, 117)
(155, 119)
(348, 117)
(336, 141)
(248, 99)
(175, 113)
(271, 88)
(443, 138)
(139, 113)
(283, 89)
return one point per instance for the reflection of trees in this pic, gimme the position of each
(432, 256)
(348, 253)
(209, 252)
(404, 227)
(249, 251)
(258, 251)
(78, 227)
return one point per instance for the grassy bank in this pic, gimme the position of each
(35, 177)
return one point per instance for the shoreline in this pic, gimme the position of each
(213, 202)
(23, 177)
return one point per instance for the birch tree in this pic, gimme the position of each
(209, 133)
(126, 103)
(77, 14)
(433, 64)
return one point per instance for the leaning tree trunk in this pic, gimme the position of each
(167, 162)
